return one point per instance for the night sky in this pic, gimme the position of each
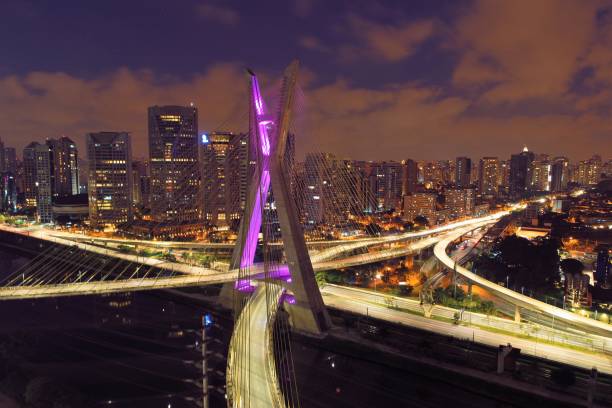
(381, 79)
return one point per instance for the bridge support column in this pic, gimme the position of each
(517, 314)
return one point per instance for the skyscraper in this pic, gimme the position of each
(559, 174)
(10, 160)
(65, 167)
(224, 167)
(463, 172)
(29, 174)
(520, 173)
(173, 151)
(488, 175)
(43, 186)
(409, 177)
(110, 179)
(391, 184)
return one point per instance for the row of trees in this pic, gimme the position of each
(455, 297)
(523, 264)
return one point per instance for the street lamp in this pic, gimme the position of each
(378, 276)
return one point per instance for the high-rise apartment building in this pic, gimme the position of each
(110, 179)
(520, 173)
(423, 204)
(65, 166)
(459, 201)
(488, 173)
(173, 153)
(224, 160)
(559, 174)
(463, 172)
(541, 175)
(589, 171)
(43, 183)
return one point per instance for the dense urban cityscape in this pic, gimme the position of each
(275, 259)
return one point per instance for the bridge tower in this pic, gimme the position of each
(308, 313)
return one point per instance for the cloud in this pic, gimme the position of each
(303, 8)
(412, 121)
(523, 49)
(390, 43)
(405, 120)
(313, 43)
(45, 104)
(218, 13)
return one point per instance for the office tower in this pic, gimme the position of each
(8, 192)
(43, 183)
(589, 171)
(110, 179)
(224, 166)
(520, 173)
(136, 186)
(602, 266)
(29, 174)
(423, 204)
(409, 177)
(10, 160)
(541, 175)
(463, 172)
(559, 174)
(459, 201)
(488, 173)
(65, 166)
(141, 183)
(173, 153)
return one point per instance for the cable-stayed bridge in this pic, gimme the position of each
(273, 263)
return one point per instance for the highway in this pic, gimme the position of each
(515, 298)
(368, 304)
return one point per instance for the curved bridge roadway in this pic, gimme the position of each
(515, 298)
(188, 275)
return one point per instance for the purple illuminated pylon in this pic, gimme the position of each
(248, 254)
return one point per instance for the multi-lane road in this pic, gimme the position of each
(373, 305)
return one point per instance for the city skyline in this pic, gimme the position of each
(440, 89)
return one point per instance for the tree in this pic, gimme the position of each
(572, 266)
(421, 220)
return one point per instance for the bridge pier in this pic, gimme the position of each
(517, 314)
